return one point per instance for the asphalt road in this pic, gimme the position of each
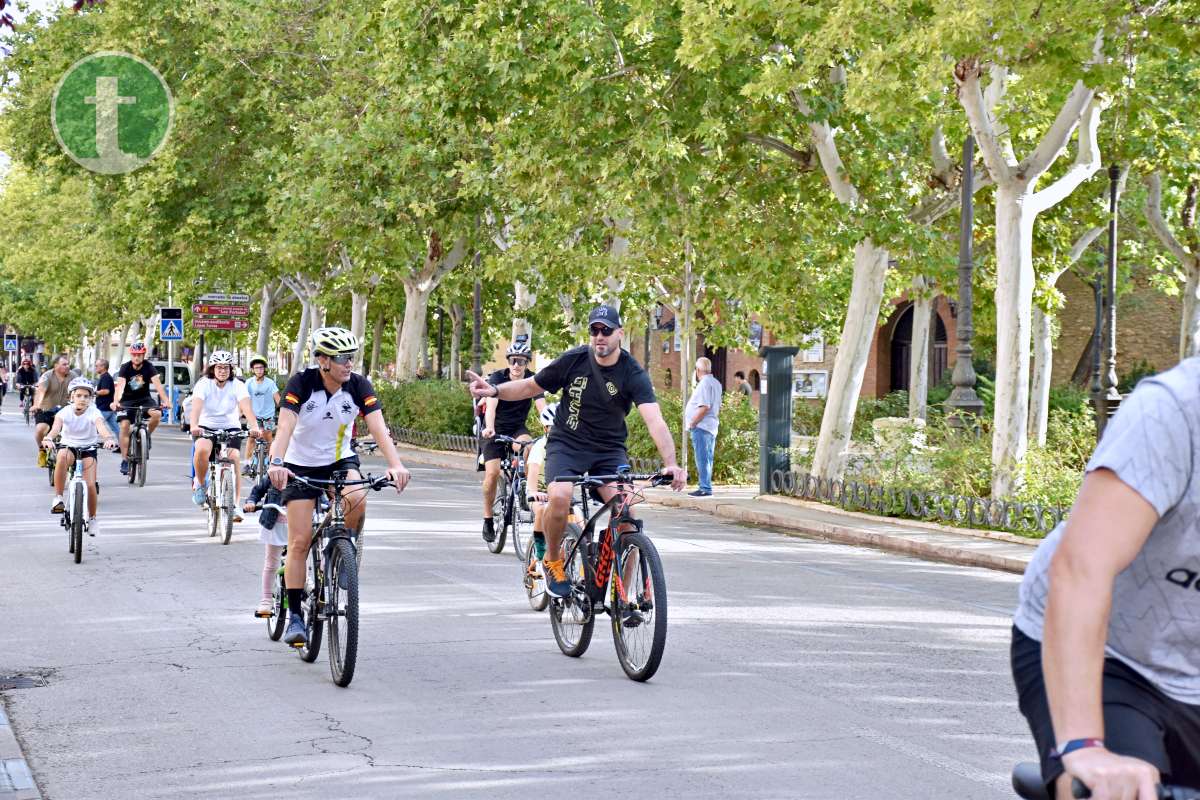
(794, 668)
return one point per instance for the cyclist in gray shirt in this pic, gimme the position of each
(1105, 639)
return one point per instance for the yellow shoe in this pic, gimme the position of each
(41, 459)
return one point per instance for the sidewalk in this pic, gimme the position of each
(973, 548)
(16, 782)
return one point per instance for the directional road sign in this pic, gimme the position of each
(213, 324)
(170, 325)
(220, 310)
(221, 297)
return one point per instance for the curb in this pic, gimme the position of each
(16, 779)
(735, 511)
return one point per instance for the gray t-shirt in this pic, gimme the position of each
(1153, 446)
(708, 393)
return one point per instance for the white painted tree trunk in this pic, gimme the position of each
(687, 358)
(1014, 306)
(1189, 329)
(1043, 368)
(854, 347)
(918, 362)
(266, 310)
(298, 363)
(118, 358)
(458, 316)
(412, 331)
(523, 300)
(358, 321)
(376, 341)
(399, 336)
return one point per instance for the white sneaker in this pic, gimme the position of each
(57, 507)
(91, 526)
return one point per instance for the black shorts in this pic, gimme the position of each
(149, 404)
(493, 449)
(563, 460)
(234, 442)
(84, 452)
(44, 417)
(1139, 720)
(299, 491)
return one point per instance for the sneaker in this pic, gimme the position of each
(198, 495)
(237, 516)
(92, 526)
(57, 507)
(295, 635)
(556, 578)
(41, 459)
(489, 530)
(266, 608)
(124, 467)
(700, 493)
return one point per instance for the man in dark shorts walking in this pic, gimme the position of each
(600, 383)
(506, 419)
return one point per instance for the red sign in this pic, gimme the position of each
(212, 324)
(220, 310)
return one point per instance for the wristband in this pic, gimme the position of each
(1073, 745)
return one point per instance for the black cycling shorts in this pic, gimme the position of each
(234, 442)
(44, 417)
(149, 404)
(1139, 720)
(84, 452)
(299, 491)
(495, 450)
(563, 460)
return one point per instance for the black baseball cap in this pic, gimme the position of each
(606, 315)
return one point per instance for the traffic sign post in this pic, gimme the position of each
(220, 310)
(10, 343)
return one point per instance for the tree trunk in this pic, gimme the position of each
(686, 358)
(1043, 368)
(358, 321)
(412, 332)
(1189, 328)
(458, 316)
(376, 338)
(523, 300)
(918, 364)
(426, 362)
(302, 336)
(399, 330)
(266, 311)
(854, 348)
(1014, 305)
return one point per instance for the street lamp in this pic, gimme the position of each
(963, 403)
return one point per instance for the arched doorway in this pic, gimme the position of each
(901, 350)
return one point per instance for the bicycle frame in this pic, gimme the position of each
(600, 559)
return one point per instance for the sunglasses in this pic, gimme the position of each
(342, 361)
(601, 330)
(518, 362)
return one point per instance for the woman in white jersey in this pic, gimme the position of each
(82, 426)
(218, 402)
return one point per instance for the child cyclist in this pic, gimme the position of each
(535, 483)
(82, 426)
(272, 532)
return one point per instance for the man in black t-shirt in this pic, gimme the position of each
(506, 418)
(133, 384)
(589, 429)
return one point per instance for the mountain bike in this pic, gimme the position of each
(220, 484)
(1027, 783)
(26, 406)
(256, 467)
(620, 573)
(510, 509)
(138, 454)
(331, 581)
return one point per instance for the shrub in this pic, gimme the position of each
(736, 452)
(1141, 369)
(431, 405)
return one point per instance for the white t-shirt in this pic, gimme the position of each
(220, 404)
(79, 430)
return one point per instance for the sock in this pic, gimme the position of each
(539, 545)
(296, 602)
(270, 564)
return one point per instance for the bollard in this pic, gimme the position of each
(775, 414)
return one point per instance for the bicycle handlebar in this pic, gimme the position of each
(510, 440)
(370, 482)
(655, 478)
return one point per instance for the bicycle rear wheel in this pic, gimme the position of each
(77, 500)
(143, 456)
(500, 515)
(278, 619)
(571, 622)
(132, 457)
(639, 606)
(342, 580)
(314, 604)
(214, 507)
(226, 504)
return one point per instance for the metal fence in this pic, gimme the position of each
(953, 509)
(435, 441)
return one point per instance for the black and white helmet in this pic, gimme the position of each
(220, 357)
(546, 417)
(334, 341)
(519, 348)
(80, 383)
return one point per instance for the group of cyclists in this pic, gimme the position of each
(1104, 638)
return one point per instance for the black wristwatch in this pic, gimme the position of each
(277, 461)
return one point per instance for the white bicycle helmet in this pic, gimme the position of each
(220, 357)
(546, 417)
(80, 383)
(520, 348)
(334, 341)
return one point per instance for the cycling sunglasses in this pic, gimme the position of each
(518, 362)
(342, 360)
(601, 330)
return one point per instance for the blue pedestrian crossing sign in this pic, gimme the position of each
(10, 342)
(170, 325)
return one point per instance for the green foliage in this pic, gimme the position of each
(430, 405)
(736, 451)
(1141, 369)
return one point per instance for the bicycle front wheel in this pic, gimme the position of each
(639, 606)
(51, 459)
(226, 504)
(278, 619)
(572, 622)
(77, 501)
(314, 604)
(132, 458)
(521, 523)
(342, 580)
(500, 515)
(143, 456)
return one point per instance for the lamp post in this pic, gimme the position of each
(963, 403)
(1112, 392)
